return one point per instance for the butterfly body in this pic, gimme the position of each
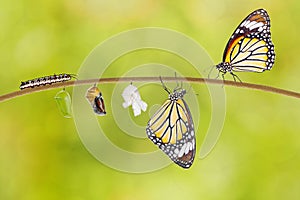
(171, 128)
(250, 48)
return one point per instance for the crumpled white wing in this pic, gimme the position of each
(126, 104)
(132, 97)
(137, 106)
(136, 109)
(128, 92)
(143, 105)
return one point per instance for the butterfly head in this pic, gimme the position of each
(224, 67)
(177, 94)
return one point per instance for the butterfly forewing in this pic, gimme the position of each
(172, 129)
(250, 47)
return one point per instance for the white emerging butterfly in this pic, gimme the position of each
(132, 97)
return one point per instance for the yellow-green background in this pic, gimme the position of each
(41, 155)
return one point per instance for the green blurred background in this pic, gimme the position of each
(41, 155)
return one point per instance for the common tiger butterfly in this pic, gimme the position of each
(171, 128)
(250, 48)
(94, 97)
(46, 80)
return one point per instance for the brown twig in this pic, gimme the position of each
(150, 79)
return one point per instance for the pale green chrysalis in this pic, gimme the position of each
(63, 101)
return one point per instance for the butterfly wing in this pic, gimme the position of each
(172, 129)
(250, 47)
(98, 106)
(143, 105)
(127, 93)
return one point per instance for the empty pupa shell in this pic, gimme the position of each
(63, 101)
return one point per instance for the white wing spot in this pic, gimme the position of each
(256, 25)
(192, 133)
(250, 24)
(182, 150)
(245, 24)
(187, 148)
(176, 151)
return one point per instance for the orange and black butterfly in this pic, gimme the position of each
(171, 128)
(250, 48)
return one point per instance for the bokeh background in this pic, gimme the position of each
(41, 154)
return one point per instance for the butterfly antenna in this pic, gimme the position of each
(212, 67)
(177, 84)
(164, 86)
(181, 84)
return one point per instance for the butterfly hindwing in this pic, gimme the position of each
(171, 128)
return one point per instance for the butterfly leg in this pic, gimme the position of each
(235, 76)
(223, 77)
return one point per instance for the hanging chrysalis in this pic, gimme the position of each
(63, 101)
(132, 97)
(94, 97)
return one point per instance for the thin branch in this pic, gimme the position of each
(150, 79)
